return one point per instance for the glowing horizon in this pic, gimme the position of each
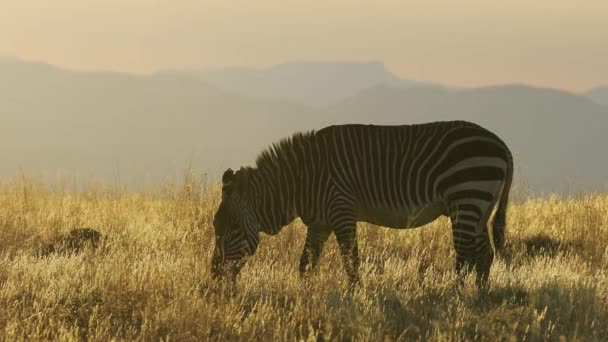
(557, 44)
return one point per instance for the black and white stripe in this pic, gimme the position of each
(393, 176)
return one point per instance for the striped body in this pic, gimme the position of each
(393, 176)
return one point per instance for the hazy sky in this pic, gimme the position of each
(555, 43)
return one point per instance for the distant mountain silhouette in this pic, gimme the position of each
(310, 83)
(599, 95)
(139, 129)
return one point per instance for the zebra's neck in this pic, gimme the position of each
(272, 196)
(278, 179)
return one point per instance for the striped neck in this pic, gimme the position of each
(271, 193)
(276, 180)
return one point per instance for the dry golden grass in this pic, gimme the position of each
(151, 278)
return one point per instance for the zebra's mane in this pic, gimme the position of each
(280, 153)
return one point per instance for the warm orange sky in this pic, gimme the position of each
(556, 43)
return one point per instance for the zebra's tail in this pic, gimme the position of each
(500, 219)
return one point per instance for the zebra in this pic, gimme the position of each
(392, 176)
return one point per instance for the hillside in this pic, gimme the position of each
(139, 129)
(310, 83)
(558, 138)
(599, 95)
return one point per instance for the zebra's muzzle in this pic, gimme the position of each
(216, 264)
(222, 268)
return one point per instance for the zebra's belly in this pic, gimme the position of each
(401, 218)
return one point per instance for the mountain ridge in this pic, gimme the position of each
(599, 95)
(156, 125)
(310, 83)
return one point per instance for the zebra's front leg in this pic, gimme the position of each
(315, 239)
(347, 240)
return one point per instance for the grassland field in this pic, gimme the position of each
(150, 277)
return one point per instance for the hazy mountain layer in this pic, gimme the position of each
(139, 129)
(310, 83)
(599, 95)
(558, 138)
(142, 128)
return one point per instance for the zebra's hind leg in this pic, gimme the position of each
(316, 237)
(483, 262)
(472, 241)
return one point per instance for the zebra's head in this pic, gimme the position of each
(236, 229)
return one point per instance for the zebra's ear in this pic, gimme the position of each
(228, 177)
